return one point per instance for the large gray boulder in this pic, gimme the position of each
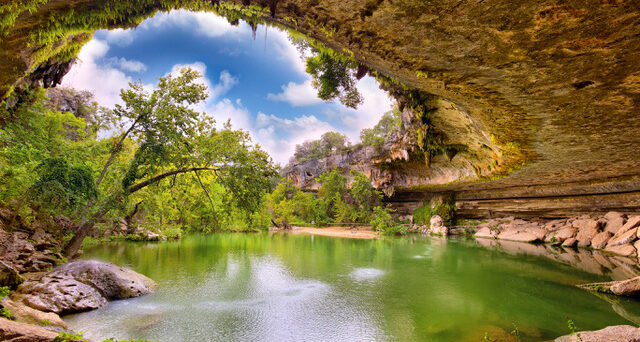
(617, 333)
(83, 285)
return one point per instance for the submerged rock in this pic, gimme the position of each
(84, 285)
(617, 333)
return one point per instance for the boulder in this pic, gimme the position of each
(561, 234)
(486, 233)
(539, 232)
(625, 238)
(630, 287)
(600, 240)
(587, 229)
(570, 242)
(615, 221)
(83, 285)
(437, 226)
(22, 332)
(624, 250)
(9, 276)
(25, 314)
(617, 333)
(518, 236)
(633, 222)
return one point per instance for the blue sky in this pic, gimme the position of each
(259, 84)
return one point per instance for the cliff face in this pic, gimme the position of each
(398, 163)
(559, 80)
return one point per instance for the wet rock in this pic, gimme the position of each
(624, 250)
(486, 233)
(21, 332)
(615, 221)
(9, 276)
(600, 240)
(518, 236)
(25, 314)
(617, 333)
(624, 238)
(562, 234)
(630, 288)
(84, 285)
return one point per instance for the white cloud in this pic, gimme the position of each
(128, 65)
(203, 23)
(279, 136)
(120, 37)
(376, 103)
(226, 80)
(297, 94)
(103, 80)
(287, 51)
(234, 111)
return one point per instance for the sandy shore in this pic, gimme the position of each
(345, 232)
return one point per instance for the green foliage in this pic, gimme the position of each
(331, 195)
(68, 337)
(287, 203)
(334, 77)
(383, 222)
(329, 143)
(61, 187)
(422, 215)
(389, 124)
(364, 196)
(4, 312)
(45, 323)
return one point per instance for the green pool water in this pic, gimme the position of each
(275, 287)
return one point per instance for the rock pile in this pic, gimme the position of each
(614, 232)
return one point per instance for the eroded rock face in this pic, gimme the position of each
(83, 285)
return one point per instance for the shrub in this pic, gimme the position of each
(383, 222)
(422, 215)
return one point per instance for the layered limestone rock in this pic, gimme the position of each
(398, 163)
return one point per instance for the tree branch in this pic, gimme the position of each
(160, 177)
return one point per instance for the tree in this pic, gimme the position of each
(390, 123)
(332, 193)
(172, 139)
(364, 196)
(334, 77)
(329, 143)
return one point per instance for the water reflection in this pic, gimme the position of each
(265, 287)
